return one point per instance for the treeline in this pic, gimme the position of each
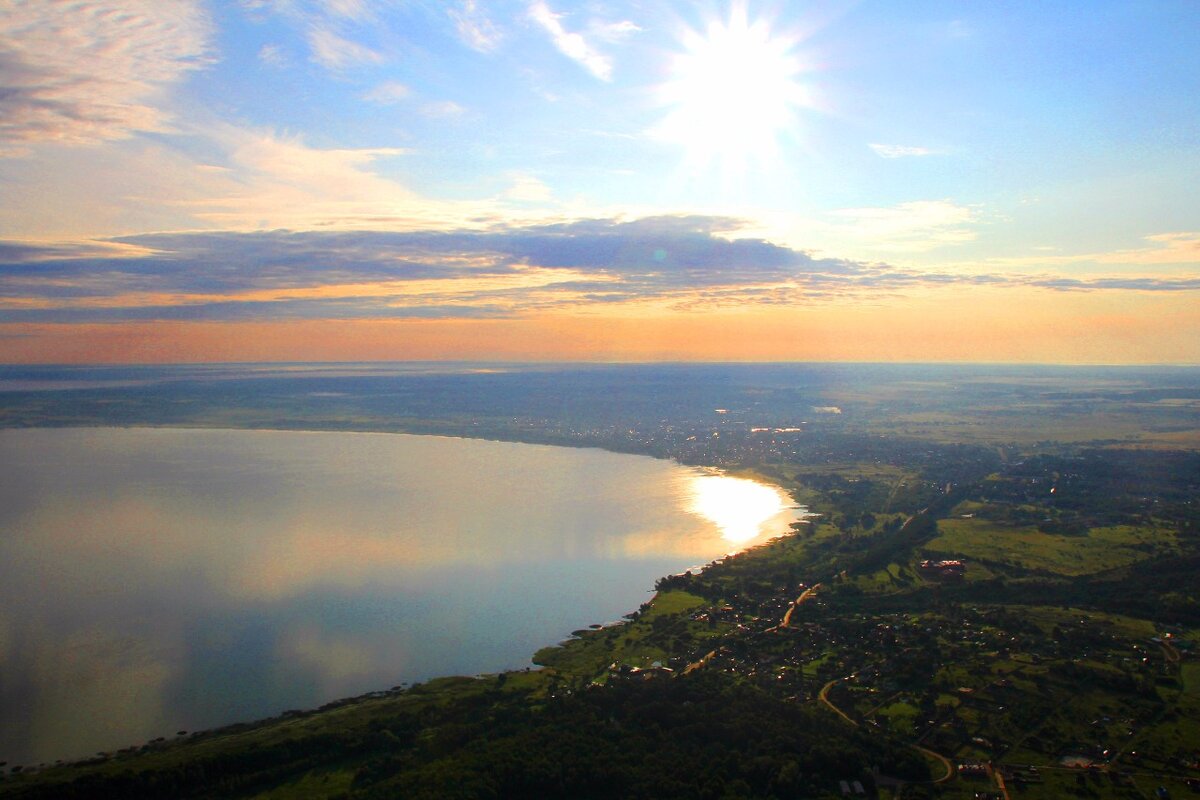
(704, 735)
(1164, 590)
(699, 736)
(1096, 487)
(233, 772)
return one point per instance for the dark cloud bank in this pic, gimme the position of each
(681, 259)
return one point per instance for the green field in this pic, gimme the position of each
(1028, 548)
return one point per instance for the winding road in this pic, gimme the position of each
(823, 696)
(804, 597)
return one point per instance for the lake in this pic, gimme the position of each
(155, 580)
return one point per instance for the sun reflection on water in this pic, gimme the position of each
(738, 507)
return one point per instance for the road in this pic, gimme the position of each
(945, 762)
(805, 596)
(823, 696)
(695, 665)
(994, 773)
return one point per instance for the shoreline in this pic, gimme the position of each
(193, 426)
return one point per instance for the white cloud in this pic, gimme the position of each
(309, 9)
(474, 27)
(613, 31)
(1164, 249)
(340, 172)
(81, 73)
(528, 189)
(335, 52)
(443, 109)
(571, 45)
(283, 182)
(327, 26)
(272, 55)
(131, 185)
(392, 92)
(387, 93)
(234, 179)
(264, 5)
(350, 9)
(899, 150)
(914, 226)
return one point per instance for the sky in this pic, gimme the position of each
(343, 180)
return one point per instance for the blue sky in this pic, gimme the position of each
(1017, 155)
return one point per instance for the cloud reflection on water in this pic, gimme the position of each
(195, 577)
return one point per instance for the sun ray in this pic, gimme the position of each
(734, 92)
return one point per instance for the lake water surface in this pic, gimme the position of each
(155, 580)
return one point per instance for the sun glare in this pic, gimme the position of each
(733, 92)
(736, 506)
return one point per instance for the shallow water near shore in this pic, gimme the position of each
(155, 580)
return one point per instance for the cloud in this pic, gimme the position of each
(335, 30)
(613, 31)
(900, 151)
(680, 262)
(1164, 249)
(504, 270)
(387, 93)
(1167, 248)
(238, 311)
(14, 252)
(273, 55)
(442, 109)
(338, 53)
(913, 226)
(528, 189)
(350, 9)
(240, 178)
(282, 181)
(1128, 284)
(263, 5)
(289, 158)
(474, 27)
(80, 73)
(393, 92)
(572, 45)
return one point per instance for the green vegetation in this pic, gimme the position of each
(1055, 659)
(653, 634)
(1099, 550)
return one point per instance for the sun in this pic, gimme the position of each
(733, 92)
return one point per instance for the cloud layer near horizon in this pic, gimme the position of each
(669, 262)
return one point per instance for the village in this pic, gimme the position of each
(1005, 702)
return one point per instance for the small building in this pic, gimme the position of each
(948, 569)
